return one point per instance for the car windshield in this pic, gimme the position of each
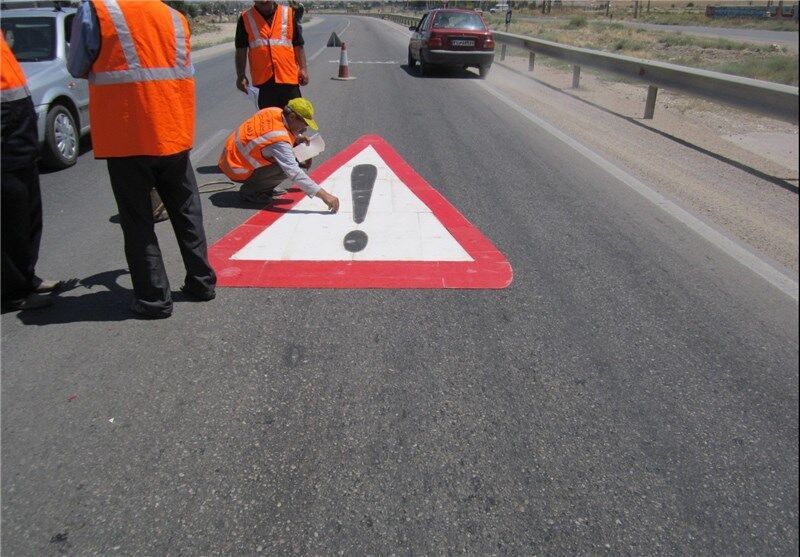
(32, 39)
(458, 20)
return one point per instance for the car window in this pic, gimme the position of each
(32, 39)
(424, 23)
(458, 20)
(68, 27)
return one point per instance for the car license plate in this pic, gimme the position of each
(462, 42)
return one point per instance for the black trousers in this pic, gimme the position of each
(172, 176)
(21, 231)
(276, 94)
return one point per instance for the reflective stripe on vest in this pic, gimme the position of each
(135, 72)
(13, 83)
(244, 150)
(260, 41)
(14, 94)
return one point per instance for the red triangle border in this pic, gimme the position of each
(489, 270)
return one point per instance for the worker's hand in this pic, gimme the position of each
(302, 139)
(302, 77)
(241, 83)
(306, 164)
(330, 200)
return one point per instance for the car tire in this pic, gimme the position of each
(411, 61)
(483, 70)
(424, 67)
(61, 138)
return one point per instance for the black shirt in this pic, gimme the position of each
(297, 35)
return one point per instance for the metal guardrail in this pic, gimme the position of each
(772, 99)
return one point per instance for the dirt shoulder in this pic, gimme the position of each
(225, 32)
(736, 169)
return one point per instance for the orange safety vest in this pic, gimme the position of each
(13, 85)
(242, 153)
(141, 86)
(270, 49)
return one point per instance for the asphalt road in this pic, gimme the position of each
(634, 390)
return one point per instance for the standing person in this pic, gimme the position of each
(21, 198)
(136, 56)
(270, 37)
(259, 154)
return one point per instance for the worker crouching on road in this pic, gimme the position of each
(259, 154)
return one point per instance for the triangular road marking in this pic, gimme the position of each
(393, 230)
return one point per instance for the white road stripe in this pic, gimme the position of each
(730, 246)
(321, 50)
(213, 141)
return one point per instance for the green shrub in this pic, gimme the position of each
(629, 45)
(778, 69)
(576, 22)
(677, 39)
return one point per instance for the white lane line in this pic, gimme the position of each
(317, 53)
(730, 246)
(213, 141)
(325, 47)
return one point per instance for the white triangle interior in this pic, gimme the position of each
(399, 226)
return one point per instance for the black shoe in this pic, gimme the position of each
(33, 301)
(142, 313)
(202, 296)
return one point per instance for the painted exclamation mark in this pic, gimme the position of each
(362, 180)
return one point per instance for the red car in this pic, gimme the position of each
(450, 37)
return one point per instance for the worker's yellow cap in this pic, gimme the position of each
(305, 110)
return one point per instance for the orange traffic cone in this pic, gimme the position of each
(344, 71)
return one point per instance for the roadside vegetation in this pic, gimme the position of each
(698, 18)
(663, 12)
(759, 61)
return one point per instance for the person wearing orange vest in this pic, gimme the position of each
(21, 198)
(269, 37)
(259, 153)
(136, 56)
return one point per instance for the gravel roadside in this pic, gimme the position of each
(736, 169)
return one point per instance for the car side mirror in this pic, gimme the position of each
(412, 27)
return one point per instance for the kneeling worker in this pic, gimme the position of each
(259, 154)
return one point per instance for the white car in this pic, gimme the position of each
(39, 38)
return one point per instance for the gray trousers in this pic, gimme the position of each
(262, 183)
(172, 176)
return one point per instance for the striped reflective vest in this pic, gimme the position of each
(13, 85)
(141, 86)
(270, 51)
(242, 153)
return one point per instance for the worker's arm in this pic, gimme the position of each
(297, 43)
(241, 64)
(284, 156)
(84, 41)
(240, 41)
(302, 66)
